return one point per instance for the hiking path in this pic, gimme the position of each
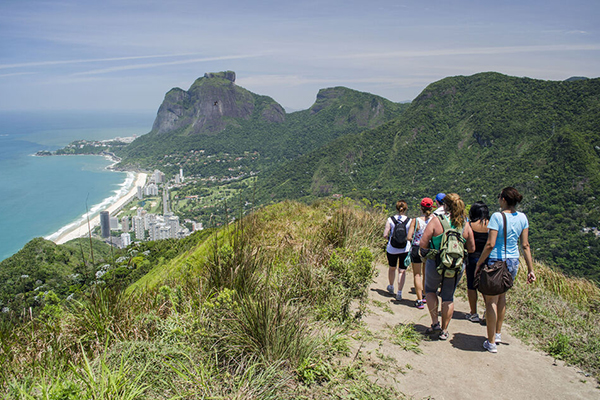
(459, 368)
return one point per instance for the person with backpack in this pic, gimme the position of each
(417, 227)
(505, 229)
(479, 216)
(443, 243)
(398, 246)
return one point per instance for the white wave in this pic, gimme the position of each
(123, 189)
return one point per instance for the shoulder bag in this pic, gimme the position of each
(495, 279)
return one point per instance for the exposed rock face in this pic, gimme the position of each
(211, 104)
(364, 109)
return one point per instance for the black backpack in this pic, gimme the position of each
(399, 235)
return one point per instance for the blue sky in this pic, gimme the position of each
(125, 55)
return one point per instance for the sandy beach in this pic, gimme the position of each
(82, 229)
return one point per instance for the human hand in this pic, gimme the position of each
(531, 277)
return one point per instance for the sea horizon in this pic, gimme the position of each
(45, 196)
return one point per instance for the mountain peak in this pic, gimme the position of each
(228, 75)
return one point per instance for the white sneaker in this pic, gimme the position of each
(390, 289)
(399, 296)
(491, 347)
(473, 317)
(498, 338)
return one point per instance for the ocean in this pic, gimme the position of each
(41, 196)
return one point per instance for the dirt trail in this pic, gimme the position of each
(460, 368)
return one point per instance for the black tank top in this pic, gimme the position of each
(480, 241)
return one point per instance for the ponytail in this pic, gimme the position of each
(456, 207)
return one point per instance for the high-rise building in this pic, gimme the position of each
(140, 192)
(125, 224)
(139, 228)
(105, 224)
(114, 223)
(173, 223)
(165, 200)
(181, 174)
(125, 239)
(151, 190)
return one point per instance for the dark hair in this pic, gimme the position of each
(511, 196)
(479, 212)
(401, 206)
(426, 211)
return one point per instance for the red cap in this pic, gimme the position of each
(427, 202)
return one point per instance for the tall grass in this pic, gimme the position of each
(233, 318)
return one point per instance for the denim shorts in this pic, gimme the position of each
(511, 263)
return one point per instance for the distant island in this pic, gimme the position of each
(91, 147)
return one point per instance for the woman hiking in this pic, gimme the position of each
(396, 255)
(517, 227)
(479, 216)
(454, 215)
(417, 227)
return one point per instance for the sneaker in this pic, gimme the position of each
(399, 296)
(498, 338)
(444, 335)
(491, 347)
(424, 300)
(419, 304)
(390, 289)
(473, 317)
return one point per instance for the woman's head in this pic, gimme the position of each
(479, 212)
(401, 206)
(427, 206)
(456, 208)
(511, 196)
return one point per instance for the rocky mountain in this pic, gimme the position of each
(211, 104)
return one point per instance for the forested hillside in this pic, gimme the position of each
(474, 135)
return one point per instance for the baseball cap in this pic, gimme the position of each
(440, 197)
(426, 202)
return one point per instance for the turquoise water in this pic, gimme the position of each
(42, 195)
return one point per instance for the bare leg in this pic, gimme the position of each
(418, 280)
(491, 312)
(472, 295)
(501, 312)
(401, 279)
(392, 275)
(447, 311)
(432, 306)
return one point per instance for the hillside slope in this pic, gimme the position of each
(475, 135)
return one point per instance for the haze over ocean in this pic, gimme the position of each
(40, 195)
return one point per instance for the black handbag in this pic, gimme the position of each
(495, 279)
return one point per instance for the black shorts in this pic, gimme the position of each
(471, 265)
(415, 257)
(394, 258)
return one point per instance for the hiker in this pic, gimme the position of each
(417, 227)
(439, 200)
(517, 226)
(398, 247)
(479, 216)
(454, 218)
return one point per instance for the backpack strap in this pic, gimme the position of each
(505, 233)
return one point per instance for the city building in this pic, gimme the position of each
(114, 223)
(125, 239)
(140, 193)
(125, 224)
(151, 190)
(105, 224)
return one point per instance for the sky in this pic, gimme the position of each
(126, 54)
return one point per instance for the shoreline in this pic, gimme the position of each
(80, 227)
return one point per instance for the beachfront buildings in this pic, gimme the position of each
(104, 224)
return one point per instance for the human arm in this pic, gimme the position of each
(387, 229)
(487, 249)
(411, 230)
(470, 238)
(527, 255)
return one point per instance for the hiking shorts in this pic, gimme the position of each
(415, 257)
(511, 263)
(394, 258)
(433, 281)
(470, 270)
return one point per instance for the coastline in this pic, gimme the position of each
(80, 228)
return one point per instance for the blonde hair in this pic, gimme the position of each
(456, 207)
(401, 206)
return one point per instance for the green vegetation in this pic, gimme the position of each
(475, 135)
(259, 309)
